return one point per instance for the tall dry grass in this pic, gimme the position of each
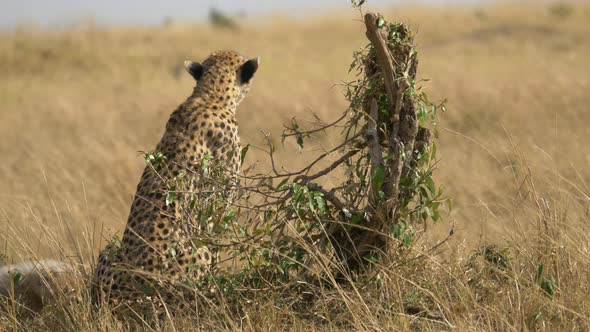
(77, 105)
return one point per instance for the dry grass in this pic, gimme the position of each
(76, 107)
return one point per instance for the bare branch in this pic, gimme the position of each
(378, 38)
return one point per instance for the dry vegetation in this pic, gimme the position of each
(78, 105)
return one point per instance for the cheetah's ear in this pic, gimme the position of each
(194, 68)
(248, 69)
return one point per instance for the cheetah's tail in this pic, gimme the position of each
(37, 283)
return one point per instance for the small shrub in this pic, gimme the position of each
(561, 10)
(219, 19)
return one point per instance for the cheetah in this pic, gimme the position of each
(156, 251)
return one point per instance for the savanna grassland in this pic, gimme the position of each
(77, 106)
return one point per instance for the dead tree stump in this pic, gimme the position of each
(393, 137)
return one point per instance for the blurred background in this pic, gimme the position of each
(86, 85)
(60, 13)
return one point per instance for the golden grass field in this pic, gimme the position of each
(77, 105)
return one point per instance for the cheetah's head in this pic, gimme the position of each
(225, 76)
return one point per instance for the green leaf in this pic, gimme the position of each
(17, 277)
(397, 230)
(423, 113)
(148, 157)
(243, 155)
(380, 22)
(311, 203)
(266, 253)
(282, 183)
(170, 197)
(435, 215)
(154, 158)
(298, 190)
(148, 290)
(358, 3)
(433, 153)
(300, 140)
(321, 203)
(229, 216)
(172, 251)
(357, 218)
(431, 186)
(548, 285)
(408, 238)
(378, 178)
(539, 272)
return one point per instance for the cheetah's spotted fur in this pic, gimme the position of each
(204, 124)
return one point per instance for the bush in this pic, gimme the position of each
(561, 10)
